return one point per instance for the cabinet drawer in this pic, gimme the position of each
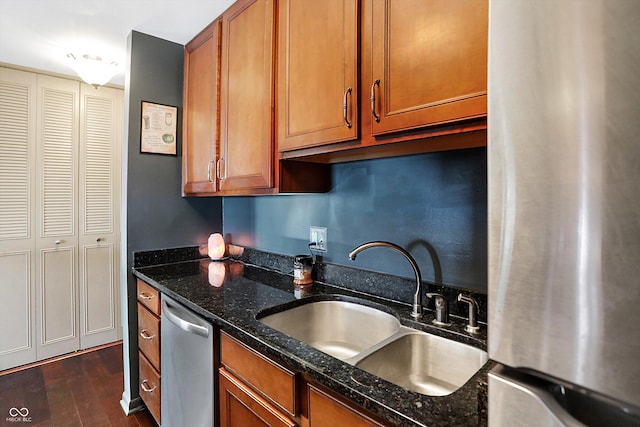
(149, 296)
(240, 406)
(271, 380)
(325, 410)
(149, 335)
(150, 386)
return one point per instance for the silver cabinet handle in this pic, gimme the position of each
(219, 165)
(373, 100)
(173, 317)
(345, 108)
(145, 335)
(57, 242)
(145, 386)
(99, 239)
(209, 175)
(145, 295)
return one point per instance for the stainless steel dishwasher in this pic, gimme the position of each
(186, 366)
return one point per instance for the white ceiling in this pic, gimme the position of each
(40, 33)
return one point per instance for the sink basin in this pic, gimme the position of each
(425, 363)
(339, 328)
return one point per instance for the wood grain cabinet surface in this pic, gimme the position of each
(421, 73)
(324, 410)
(247, 96)
(275, 382)
(275, 90)
(149, 347)
(428, 63)
(255, 390)
(200, 132)
(317, 73)
(240, 406)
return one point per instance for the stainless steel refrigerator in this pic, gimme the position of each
(564, 212)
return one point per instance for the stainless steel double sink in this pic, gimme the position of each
(375, 341)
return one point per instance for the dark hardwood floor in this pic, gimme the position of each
(82, 390)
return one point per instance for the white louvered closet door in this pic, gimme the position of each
(100, 142)
(17, 198)
(57, 239)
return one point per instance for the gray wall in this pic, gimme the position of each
(156, 214)
(434, 205)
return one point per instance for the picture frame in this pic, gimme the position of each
(158, 129)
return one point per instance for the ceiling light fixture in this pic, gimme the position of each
(92, 69)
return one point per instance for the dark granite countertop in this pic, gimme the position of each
(247, 290)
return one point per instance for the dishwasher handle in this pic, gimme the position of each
(172, 315)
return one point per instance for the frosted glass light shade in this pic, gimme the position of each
(93, 69)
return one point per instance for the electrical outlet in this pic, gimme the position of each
(318, 236)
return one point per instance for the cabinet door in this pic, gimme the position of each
(317, 73)
(429, 62)
(241, 407)
(99, 208)
(200, 130)
(246, 128)
(57, 239)
(17, 196)
(326, 411)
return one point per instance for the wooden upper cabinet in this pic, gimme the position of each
(200, 131)
(317, 72)
(247, 96)
(428, 63)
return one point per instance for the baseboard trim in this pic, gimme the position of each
(57, 358)
(131, 406)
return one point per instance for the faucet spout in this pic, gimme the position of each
(417, 297)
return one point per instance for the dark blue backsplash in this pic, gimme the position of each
(434, 205)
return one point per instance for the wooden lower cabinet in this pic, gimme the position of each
(325, 410)
(149, 346)
(149, 386)
(149, 335)
(240, 406)
(256, 391)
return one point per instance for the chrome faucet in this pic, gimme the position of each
(472, 327)
(442, 309)
(417, 297)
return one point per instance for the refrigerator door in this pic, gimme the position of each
(564, 191)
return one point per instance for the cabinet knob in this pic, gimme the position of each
(99, 239)
(57, 242)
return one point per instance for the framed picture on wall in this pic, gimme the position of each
(158, 129)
